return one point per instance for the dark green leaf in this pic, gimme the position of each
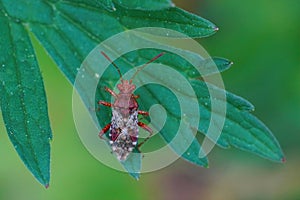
(74, 24)
(69, 30)
(23, 100)
(241, 130)
(146, 5)
(172, 18)
(106, 4)
(221, 63)
(185, 143)
(209, 66)
(34, 11)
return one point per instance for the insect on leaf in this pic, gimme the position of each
(69, 30)
(75, 23)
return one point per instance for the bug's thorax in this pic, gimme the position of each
(125, 102)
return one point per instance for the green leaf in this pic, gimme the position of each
(172, 18)
(76, 23)
(33, 11)
(209, 66)
(146, 5)
(221, 63)
(23, 100)
(69, 30)
(106, 4)
(241, 129)
(133, 164)
(185, 144)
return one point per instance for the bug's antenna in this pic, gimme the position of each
(142, 67)
(114, 64)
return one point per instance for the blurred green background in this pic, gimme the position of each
(262, 37)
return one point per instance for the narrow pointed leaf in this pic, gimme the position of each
(23, 100)
(209, 66)
(172, 18)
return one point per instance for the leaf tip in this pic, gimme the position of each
(136, 176)
(47, 186)
(228, 64)
(216, 28)
(283, 159)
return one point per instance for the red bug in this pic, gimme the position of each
(124, 132)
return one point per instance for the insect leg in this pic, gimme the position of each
(104, 130)
(147, 128)
(141, 112)
(104, 103)
(111, 92)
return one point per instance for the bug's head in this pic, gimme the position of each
(126, 87)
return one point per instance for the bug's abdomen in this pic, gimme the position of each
(123, 133)
(124, 125)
